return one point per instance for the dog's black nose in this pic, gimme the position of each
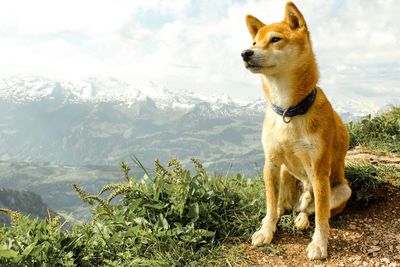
(246, 54)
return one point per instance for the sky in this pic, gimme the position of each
(196, 44)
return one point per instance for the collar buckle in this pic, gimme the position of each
(286, 119)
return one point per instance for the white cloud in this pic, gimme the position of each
(198, 44)
(89, 16)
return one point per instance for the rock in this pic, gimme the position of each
(373, 249)
(352, 227)
(398, 236)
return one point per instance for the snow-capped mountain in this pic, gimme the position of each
(110, 90)
(101, 121)
(29, 89)
(34, 88)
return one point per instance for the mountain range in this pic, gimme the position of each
(55, 133)
(103, 121)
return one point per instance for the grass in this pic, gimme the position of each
(175, 217)
(381, 133)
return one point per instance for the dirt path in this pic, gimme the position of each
(364, 235)
(360, 155)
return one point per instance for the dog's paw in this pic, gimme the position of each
(302, 221)
(262, 237)
(317, 250)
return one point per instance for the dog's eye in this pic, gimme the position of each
(254, 43)
(275, 39)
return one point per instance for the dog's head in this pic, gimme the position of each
(278, 46)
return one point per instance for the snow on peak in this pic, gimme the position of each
(21, 89)
(31, 88)
(27, 89)
(224, 99)
(103, 90)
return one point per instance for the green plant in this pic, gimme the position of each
(174, 218)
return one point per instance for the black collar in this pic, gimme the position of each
(299, 109)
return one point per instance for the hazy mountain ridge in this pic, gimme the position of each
(102, 121)
(26, 202)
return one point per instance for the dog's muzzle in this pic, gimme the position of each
(247, 54)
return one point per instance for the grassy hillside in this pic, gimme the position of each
(380, 133)
(175, 217)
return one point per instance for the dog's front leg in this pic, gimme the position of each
(318, 248)
(268, 226)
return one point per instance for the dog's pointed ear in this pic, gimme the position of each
(254, 25)
(293, 17)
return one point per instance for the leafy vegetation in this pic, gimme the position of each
(174, 217)
(381, 132)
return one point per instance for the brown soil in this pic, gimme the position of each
(363, 235)
(360, 155)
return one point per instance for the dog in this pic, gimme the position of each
(304, 139)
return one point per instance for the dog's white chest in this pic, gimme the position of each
(290, 144)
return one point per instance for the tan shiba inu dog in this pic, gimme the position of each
(304, 140)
